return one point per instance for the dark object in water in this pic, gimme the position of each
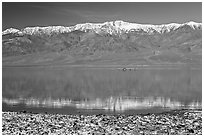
(124, 69)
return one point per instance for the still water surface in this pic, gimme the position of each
(104, 89)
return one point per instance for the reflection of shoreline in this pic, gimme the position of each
(112, 103)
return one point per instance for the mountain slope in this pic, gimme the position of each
(85, 43)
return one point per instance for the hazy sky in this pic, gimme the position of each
(20, 15)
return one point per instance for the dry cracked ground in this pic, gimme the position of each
(176, 123)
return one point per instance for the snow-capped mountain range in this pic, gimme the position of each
(113, 27)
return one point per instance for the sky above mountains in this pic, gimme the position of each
(20, 15)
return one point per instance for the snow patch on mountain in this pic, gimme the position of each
(45, 30)
(10, 30)
(193, 24)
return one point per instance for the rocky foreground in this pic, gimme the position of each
(177, 123)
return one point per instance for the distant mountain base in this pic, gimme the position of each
(103, 59)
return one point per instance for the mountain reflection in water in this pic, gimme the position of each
(106, 89)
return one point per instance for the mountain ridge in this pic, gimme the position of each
(111, 27)
(115, 42)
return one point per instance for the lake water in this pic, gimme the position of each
(66, 89)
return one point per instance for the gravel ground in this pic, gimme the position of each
(176, 123)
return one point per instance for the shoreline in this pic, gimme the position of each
(121, 66)
(178, 122)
